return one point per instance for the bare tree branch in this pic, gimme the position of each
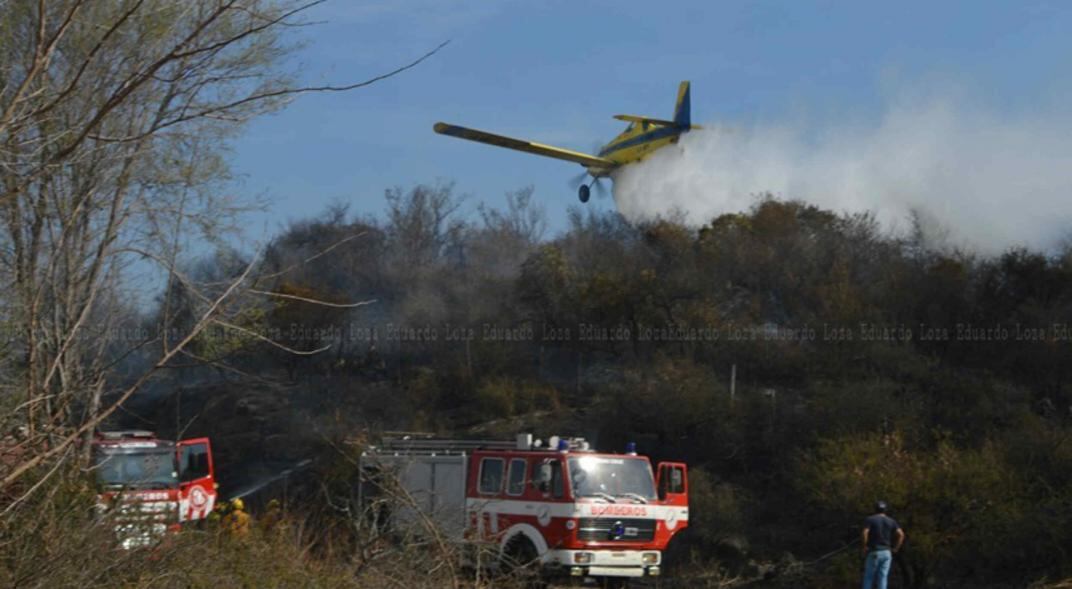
(313, 301)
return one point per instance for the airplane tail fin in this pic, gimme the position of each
(683, 107)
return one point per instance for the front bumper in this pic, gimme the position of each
(606, 563)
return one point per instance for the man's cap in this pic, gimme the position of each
(881, 506)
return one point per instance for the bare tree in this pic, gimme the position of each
(114, 117)
(421, 224)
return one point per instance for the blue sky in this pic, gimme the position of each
(556, 71)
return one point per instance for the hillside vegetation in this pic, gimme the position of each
(867, 366)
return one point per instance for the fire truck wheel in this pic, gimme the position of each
(521, 561)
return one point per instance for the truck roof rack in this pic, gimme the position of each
(426, 444)
(423, 444)
(126, 433)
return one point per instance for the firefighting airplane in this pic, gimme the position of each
(640, 139)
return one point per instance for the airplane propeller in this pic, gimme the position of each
(577, 180)
(583, 190)
(601, 189)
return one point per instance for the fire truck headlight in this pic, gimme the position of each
(650, 558)
(582, 557)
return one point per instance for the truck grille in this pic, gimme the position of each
(140, 523)
(610, 529)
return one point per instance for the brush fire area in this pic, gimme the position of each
(266, 322)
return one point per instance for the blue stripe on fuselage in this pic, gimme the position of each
(655, 135)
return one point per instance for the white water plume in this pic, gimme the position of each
(991, 181)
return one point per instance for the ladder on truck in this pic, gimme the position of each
(428, 445)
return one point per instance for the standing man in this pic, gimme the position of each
(878, 541)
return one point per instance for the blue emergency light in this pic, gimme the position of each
(630, 448)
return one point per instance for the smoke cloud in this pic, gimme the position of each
(979, 180)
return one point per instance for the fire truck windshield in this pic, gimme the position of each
(145, 467)
(611, 478)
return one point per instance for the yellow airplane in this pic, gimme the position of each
(643, 136)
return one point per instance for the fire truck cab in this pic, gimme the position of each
(150, 486)
(577, 512)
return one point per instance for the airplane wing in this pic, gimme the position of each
(527, 146)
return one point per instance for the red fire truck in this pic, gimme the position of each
(575, 511)
(150, 486)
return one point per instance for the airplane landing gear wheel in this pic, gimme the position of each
(583, 193)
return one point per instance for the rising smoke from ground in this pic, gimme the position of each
(976, 179)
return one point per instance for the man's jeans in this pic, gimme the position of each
(877, 565)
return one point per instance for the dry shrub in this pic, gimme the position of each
(56, 539)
